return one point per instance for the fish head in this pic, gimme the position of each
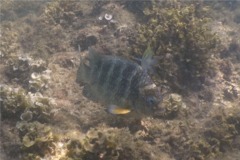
(151, 98)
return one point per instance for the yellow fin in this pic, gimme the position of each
(118, 110)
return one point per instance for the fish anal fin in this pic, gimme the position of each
(114, 109)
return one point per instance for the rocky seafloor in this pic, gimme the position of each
(45, 114)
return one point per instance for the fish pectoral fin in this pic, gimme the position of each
(114, 109)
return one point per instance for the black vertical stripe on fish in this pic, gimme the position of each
(124, 83)
(134, 88)
(103, 74)
(96, 68)
(113, 80)
(130, 81)
(109, 75)
(117, 78)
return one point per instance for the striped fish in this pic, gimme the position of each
(121, 84)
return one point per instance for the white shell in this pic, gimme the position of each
(34, 75)
(108, 16)
(100, 18)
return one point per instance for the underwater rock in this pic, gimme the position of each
(170, 106)
(16, 103)
(103, 142)
(85, 41)
(9, 41)
(30, 73)
(231, 91)
(221, 131)
(37, 139)
(179, 35)
(13, 101)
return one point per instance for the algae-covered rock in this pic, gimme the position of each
(31, 73)
(222, 130)
(9, 41)
(171, 106)
(179, 35)
(37, 139)
(103, 142)
(13, 101)
(109, 143)
(18, 104)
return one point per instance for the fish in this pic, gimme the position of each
(121, 84)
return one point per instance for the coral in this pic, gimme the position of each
(31, 73)
(15, 102)
(171, 106)
(62, 12)
(178, 139)
(179, 35)
(104, 143)
(9, 45)
(186, 140)
(222, 130)
(39, 81)
(37, 139)
(42, 107)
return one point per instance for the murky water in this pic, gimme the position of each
(189, 52)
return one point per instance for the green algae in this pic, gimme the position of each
(174, 132)
(15, 102)
(179, 35)
(37, 139)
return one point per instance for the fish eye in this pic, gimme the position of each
(151, 101)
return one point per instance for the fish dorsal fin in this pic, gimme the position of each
(148, 60)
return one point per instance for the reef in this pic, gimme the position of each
(17, 104)
(31, 73)
(171, 106)
(180, 37)
(46, 115)
(104, 143)
(37, 139)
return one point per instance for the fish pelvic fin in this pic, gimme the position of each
(114, 109)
